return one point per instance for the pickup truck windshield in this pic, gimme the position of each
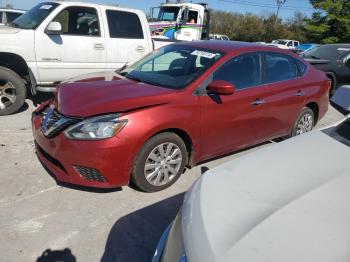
(168, 13)
(33, 18)
(173, 66)
(279, 42)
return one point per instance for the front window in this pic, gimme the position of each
(279, 42)
(34, 17)
(243, 71)
(168, 13)
(173, 66)
(76, 20)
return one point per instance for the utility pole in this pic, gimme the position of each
(280, 3)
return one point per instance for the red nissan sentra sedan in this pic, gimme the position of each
(180, 105)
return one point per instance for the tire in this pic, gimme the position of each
(12, 92)
(159, 168)
(304, 123)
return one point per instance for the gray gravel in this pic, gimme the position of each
(41, 221)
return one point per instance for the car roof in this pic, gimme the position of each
(232, 46)
(12, 10)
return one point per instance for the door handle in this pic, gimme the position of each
(300, 93)
(99, 46)
(140, 48)
(258, 102)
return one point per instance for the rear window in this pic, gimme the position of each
(124, 25)
(10, 16)
(302, 68)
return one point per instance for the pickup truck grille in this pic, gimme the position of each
(54, 123)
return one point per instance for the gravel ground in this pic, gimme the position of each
(42, 221)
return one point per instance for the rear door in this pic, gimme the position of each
(79, 49)
(284, 96)
(230, 122)
(127, 40)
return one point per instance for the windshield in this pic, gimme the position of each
(173, 66)
(168, 13)
(327, 52)
(33, 18)
(279, 42)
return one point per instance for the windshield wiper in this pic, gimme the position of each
(142, 80)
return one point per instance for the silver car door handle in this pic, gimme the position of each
(99, 46)
(258, 102)
(140, 49)
(300, 93)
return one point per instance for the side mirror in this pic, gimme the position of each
(347, 61)
(341, 99)
(220, 87)
(185, 14)
(54, 28)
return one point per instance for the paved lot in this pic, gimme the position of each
(37, 215)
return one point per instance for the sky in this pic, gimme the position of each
(259, 7)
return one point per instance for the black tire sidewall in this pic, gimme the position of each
(305, 110)
(21, 92)
(138, 178)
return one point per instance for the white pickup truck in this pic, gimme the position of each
(285, 43)
(58, 40)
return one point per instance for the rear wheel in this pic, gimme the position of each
(304, 123)
(160, 162)
(12, 92)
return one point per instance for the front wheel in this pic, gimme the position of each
(304, 123)
(12, 92)
(160, 162)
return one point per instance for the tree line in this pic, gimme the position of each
(330, 23)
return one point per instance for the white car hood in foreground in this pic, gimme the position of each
(287, 202)
(8, 30)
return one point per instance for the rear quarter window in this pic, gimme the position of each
(302, 68)
(124, 25)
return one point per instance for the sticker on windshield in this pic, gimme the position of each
(203, 54)
(46, 7)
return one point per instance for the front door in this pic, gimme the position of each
(79, 49)
(230, 122)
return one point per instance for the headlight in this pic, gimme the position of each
(96, 128)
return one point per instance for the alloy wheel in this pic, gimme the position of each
(7, 95)
(163, 164)
(305, 124)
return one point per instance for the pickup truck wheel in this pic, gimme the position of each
(304, 123)
(12, 92)
(160, 162)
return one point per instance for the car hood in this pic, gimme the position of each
(273, 205)
(103, 93)
(8, 30)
